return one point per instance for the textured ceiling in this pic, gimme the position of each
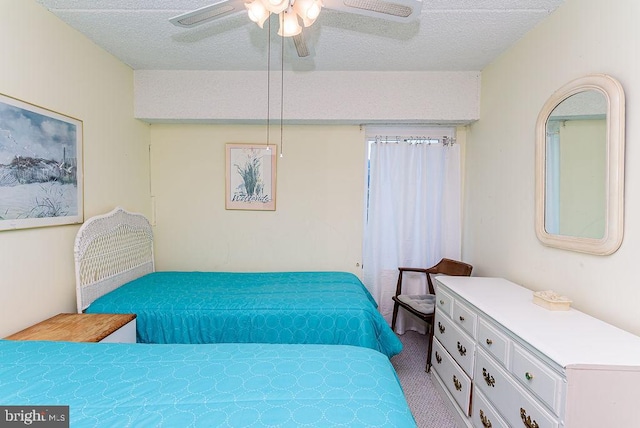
(450, 35)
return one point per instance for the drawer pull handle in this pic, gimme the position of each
(489, 342)
(438, 358)
(486, 423)
(461, 318)
(457, 383)
(488, 378)
(528, 376)
(526, 420)
(441, 302)
(441, 328)
(462, 350)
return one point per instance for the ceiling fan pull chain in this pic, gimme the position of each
(268, 82)
(281, 92)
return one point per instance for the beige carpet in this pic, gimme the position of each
(428, 408)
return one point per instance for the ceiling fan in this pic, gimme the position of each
(293, 12)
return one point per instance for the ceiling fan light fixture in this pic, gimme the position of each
(289, 25)
(306, 22)
(276, 6)
(314, 10)
(308, 10)
(257, 12)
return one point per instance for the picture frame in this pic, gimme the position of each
(250, 177)
(41, 175)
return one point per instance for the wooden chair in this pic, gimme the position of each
(423, 305)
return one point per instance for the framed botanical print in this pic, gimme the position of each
(251, 177)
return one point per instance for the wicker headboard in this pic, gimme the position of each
(111, 250)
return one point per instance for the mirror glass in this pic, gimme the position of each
(580, 166)
(576, 160)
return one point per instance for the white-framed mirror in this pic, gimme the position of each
(580, 138)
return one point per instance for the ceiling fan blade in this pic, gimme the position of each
(208, 13)
(301, 45)
(392, 10)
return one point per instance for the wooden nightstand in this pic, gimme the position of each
(82, 328)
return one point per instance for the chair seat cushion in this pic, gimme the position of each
(423, 303)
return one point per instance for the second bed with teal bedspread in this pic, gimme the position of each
(216, 385)
(265, 307)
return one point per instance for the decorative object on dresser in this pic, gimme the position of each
(503, 361)
(551, 300)
(423, 305)
(113, 328)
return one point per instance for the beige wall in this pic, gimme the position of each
(581, 37)
(317, 224)
(44, 62)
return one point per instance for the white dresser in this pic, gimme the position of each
(502, 361)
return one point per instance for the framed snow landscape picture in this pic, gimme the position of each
(40, 166)
(251, 177)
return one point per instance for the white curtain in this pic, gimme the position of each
(413, 218)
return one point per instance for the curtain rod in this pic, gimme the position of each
(445, 140)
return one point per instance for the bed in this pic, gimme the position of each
(115, 273)
(222, 385)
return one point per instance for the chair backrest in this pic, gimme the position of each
(448, 267)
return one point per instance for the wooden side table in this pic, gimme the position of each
(82, 328)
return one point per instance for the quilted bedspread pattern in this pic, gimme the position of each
(228, 307)
(221, 385)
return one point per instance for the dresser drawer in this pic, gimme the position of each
(454, 379)
(483, 415)
(536, 377)
(517, 407)
(459, 344)
(494, 342)
(464, 318)
(444, 301)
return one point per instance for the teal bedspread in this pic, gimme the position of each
(227, 307)
(214, 385)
